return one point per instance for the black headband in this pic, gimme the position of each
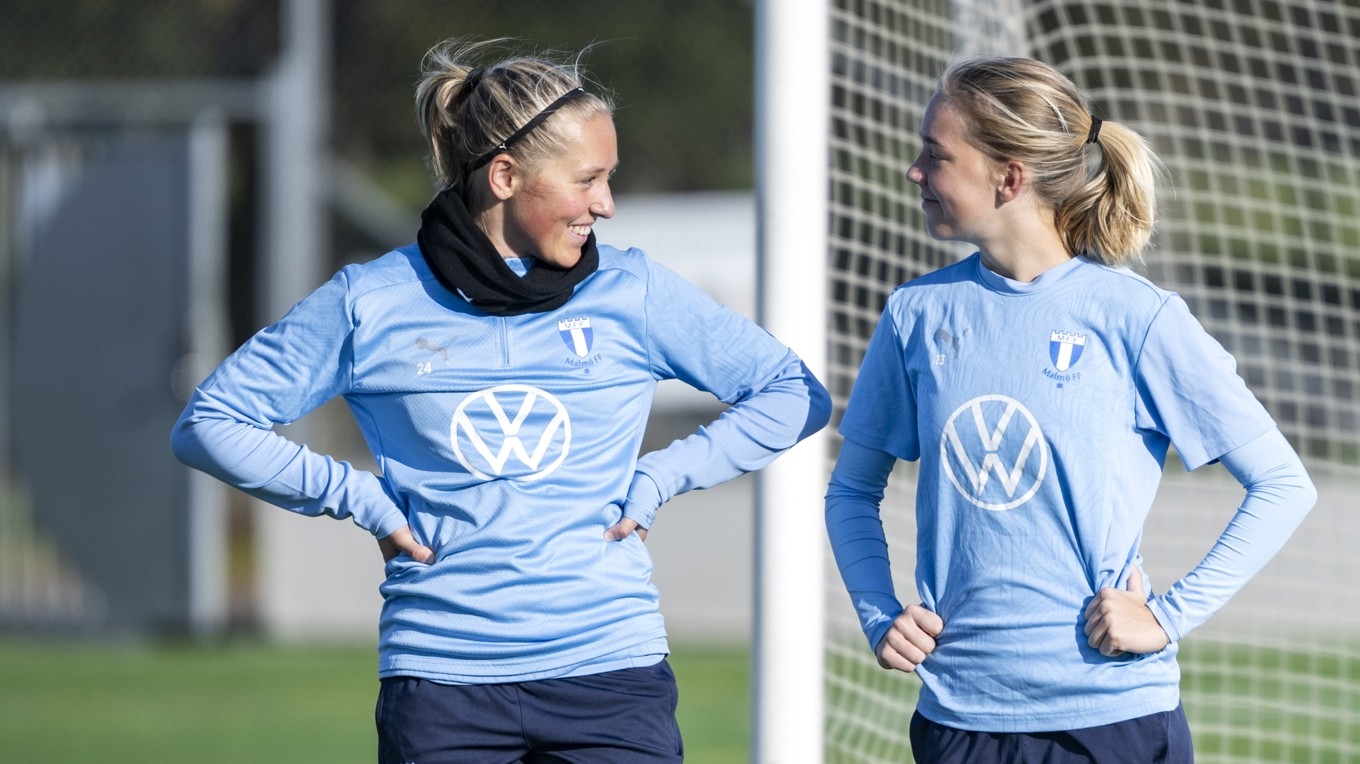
(529, 126)
(1094, 135)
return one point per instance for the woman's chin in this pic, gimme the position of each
(565, 260)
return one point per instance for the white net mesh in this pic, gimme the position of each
(1255, 107)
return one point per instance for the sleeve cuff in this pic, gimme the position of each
(644, 499)
(876, 632)
(1164, 619)
(387, 523)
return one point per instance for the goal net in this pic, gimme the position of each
(1255, 107)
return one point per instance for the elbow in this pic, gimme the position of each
(819, 404)
(1295, 487)
(185, 442)
(196, 438)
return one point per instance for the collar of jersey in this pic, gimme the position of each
(1046, 280)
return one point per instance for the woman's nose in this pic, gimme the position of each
(915, 174)
(603, 207)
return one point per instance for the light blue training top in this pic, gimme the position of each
(1041, 414)
(508, 444)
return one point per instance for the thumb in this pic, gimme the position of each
(421, 553)
(402, 541)
(1135, 583)
(623, 529)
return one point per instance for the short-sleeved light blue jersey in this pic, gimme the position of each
(508, 444)
(1041, 415)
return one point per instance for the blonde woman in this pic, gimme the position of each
(501, 370)
(1040, 383)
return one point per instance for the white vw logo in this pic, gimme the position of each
(485, 435)
(984, 439)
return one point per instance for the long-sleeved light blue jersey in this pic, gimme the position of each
(508, 444)
(1041, 415)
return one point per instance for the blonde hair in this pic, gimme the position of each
(1103, 193)
(465, 111)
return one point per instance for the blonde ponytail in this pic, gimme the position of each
(1110, 217)
(1100, 178)
(464, 110)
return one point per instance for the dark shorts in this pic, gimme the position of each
(1162, 738)
(619, 716)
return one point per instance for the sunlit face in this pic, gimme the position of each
(958, 182)
(552, 211)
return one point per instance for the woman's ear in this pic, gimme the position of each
(502, 176)
(1014, 179)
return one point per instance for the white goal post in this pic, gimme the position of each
(792, 117)
(1255, 107)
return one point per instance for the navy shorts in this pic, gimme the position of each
(1162, 738)
(621, 717)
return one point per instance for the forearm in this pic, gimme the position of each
(747, 436)
(212, 437)
(857, 540)
(1279, 495)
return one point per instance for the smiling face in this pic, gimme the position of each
(553, 206)
(958, 182)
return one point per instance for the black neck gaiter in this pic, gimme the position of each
(466, 262)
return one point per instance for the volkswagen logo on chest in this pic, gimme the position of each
(994, 453)
(511, 431)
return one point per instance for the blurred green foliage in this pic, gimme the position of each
(682, 73)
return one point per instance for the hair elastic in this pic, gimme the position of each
(505, 145)
(474, 78)
(1094, 135)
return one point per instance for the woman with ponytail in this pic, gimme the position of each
(1040, 384)
(501, 369)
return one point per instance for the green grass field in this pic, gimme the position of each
(78, 702)
(72, 703)
(1247, 704)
